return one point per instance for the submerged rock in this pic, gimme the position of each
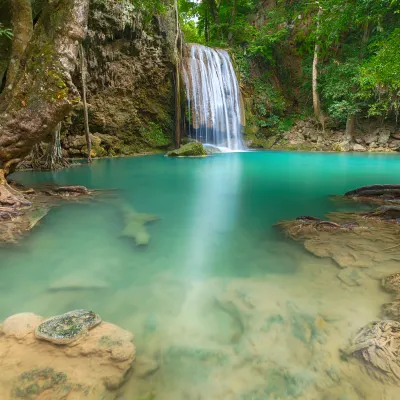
(365, 240)
(391, 310)
(73, 282)
(378, 345)
(66, 328)
(391, 283)
(20, 325)
(194, 149)
(92, 368)
(135, 228)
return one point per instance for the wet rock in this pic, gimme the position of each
(20, 325)
(193, 149)
(378, 346)
(387, 191)
(91, 368)
(67, 328)
(352, 240)
(391, 310)
(391, 283)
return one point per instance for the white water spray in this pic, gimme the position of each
(213, 96)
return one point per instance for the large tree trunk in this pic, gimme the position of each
(350, 128)
(85, 106)
(316, 99)
(43, 93)
(21, 12)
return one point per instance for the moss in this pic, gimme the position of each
(32, 383)
(193, 149)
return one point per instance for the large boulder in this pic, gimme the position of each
(92, 367)
(383, 136)
(194, 149)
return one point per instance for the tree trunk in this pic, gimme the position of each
(316, 99)
(177, 60)
(85, 107)
(43, 93)
(21, 15)
(350, 127)
(53, 159)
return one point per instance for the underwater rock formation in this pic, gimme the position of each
(193, 149)
(135, 225)
(17, 219)
(378, 345)
(91, 368)
(391, 283)
(67, 328)
(350, 239)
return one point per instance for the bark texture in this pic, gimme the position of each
(85, 106)
(316, 99)
(43, 93)
(21, 15)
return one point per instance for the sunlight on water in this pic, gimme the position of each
(219, 299)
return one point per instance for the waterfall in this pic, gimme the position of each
(213, 97)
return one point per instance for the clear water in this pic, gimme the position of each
(219, 299)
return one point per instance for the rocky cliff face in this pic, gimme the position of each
(129, 81)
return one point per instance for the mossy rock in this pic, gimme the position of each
(67, 328)
(194, 149)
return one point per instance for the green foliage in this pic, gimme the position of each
(359, 61)
(340, 88)
(154, 135)
(268, 36)
(5, 32)
(380, 76)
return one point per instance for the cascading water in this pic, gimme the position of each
(213, 97)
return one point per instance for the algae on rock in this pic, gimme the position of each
(193, 149)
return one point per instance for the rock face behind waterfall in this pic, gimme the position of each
(130, 82)
(214, 111)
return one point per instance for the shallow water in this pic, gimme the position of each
(219, 299)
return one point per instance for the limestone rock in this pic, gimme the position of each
(396, 135)
(21, 325)
(378, 345)
(371, 138)
(90, 369)
(345, 146)
(392, 283)
(391, 310)
(359, 147)
(72, 282)
(67, 328)
(193, 149)
(383, 135)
